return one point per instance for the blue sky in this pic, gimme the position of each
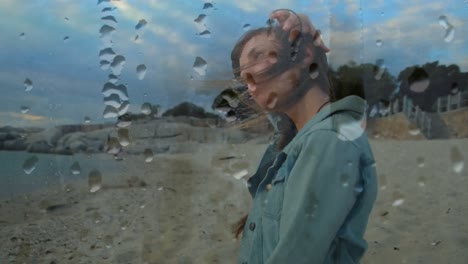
(67, 78)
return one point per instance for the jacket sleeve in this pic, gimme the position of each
(319, 194)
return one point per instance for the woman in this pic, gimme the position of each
(312, 198)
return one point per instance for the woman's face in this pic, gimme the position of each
(257, 58)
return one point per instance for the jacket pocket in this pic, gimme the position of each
(273, 202)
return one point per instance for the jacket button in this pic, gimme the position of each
(252, 226)
(268, 187)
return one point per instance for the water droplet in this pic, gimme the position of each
(106, 31)
(398, 202)
(108, 9)
(313, 71)
(350, 131)
(421, 181)
(107, 54)
(123, 137)
(200, 66)
(136, 37)
(420, 86)
(24, 109)
(22, 36)
(75, 168)
(207, 5)
(246, 26)
(141, 71)
(378, 42)
(148, 155)
(105, 65)
(457, 160)
(444, 22)
(113, 78)
(87, 120)
(200, 18)
(109, 18)
(113, 146)
(383, 181)
(232, 101)
(382, 13)
(141, 24)
(117, 64)
(102, 1)
(120, 90)
(414, 131)
(205, 34)
(110, 112)
(379, 69)
(358, 188)
(94, 181)
(28, 85)
(123, 108)
(449, 34)
(113, 100)
(29, 164)
(420, 161)
(146, 108)
(240, 174)
(311, 206)
(449, 28)
(66, 39)
(344, 179)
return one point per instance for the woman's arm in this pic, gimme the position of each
(319, 194)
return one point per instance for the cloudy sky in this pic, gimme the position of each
(56, 43)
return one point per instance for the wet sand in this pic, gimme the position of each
(180, 207)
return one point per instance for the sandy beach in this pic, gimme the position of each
(180, 206)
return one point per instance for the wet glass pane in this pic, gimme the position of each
(129, 130)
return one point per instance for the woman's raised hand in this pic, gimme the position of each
(298, 23)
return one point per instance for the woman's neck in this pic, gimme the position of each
(307, 107)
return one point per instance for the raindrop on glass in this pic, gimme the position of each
(75, 168)
(113, 78)
(22, 36)
(382, 13)
(108, 9)
(142, 23)
(146, 108)
(113, 146)
(109, 18)
(207, 5)
(123, 137)
(449, 28)
(344, 179)
(29, 164)
(141, 71)
(120, 90)
(87, 120)
(200, 66)
(123, 108)
(148, 155)
(379, 69)
(420, 161)
(313, 71)
(106, 31)
(420, 86)
(205, 33)
(94, 181)
(105, 65)
(117, 64)
(66, 39)
(107, 54)
(110, 112)
(378, 42)
(136, 37)
(102, 1)
(24, 109)
(414, 131)
(246, 26)
(421, 181)
(233, 102)
(240, 174)
(113, 100)
(457, 160)
(200, 18)
(28, 85)
(398, 202)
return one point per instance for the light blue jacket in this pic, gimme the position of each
(312, 200)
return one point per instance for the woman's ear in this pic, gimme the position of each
(308, 57)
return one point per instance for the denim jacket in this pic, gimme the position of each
(312, 200)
